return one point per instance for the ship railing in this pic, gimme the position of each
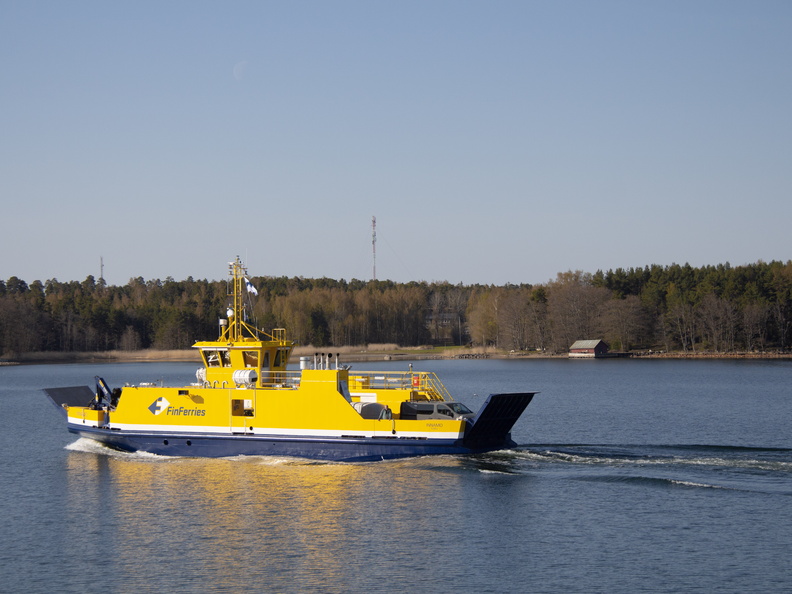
(425, 383)
(435, 387)
(280, 379)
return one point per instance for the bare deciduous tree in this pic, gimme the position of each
(575, 308)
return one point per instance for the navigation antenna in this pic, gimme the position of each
(374, 245)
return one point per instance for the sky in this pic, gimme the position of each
(495, 142)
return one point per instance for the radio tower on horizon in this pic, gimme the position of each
(374, 246)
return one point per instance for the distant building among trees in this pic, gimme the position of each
(588, 349)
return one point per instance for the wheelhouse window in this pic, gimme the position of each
(216, 358)
(281, 356)
(250, 358)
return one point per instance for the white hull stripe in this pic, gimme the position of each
(265, 431)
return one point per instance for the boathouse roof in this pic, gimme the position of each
(586, 344)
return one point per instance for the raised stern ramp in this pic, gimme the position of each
(495, 419)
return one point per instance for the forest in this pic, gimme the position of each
(720, 309)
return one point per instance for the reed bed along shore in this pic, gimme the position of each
(373, 352)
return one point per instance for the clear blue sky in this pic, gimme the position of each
(495, 142)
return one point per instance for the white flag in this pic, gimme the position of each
(250, 287)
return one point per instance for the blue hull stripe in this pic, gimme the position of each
(317, 448)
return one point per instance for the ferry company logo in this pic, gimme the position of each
(159, 406)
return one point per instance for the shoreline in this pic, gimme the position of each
(357, 354)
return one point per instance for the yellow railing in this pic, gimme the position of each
(423, 382)
(280, 379)
(435, 387)
(426, 383)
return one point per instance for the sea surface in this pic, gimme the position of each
(630, 476)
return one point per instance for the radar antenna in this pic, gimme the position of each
(374, 247)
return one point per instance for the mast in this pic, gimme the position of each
(235, 328)
(235, 331)
(374, 246)
(237, 272)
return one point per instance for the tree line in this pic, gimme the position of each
(674, 308)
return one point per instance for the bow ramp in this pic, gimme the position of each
(497, 417)
(71, 396)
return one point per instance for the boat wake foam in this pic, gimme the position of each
(727, 457)
(91, 446)
(655, 481)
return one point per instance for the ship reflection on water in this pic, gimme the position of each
(284, 523)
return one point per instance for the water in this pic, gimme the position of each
(631, 476)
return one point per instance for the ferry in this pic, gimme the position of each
(247, 400)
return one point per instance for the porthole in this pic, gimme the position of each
(189, 442)
(165, 442)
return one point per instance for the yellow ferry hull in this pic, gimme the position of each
(212, 422)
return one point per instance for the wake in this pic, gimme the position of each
(724, 457)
